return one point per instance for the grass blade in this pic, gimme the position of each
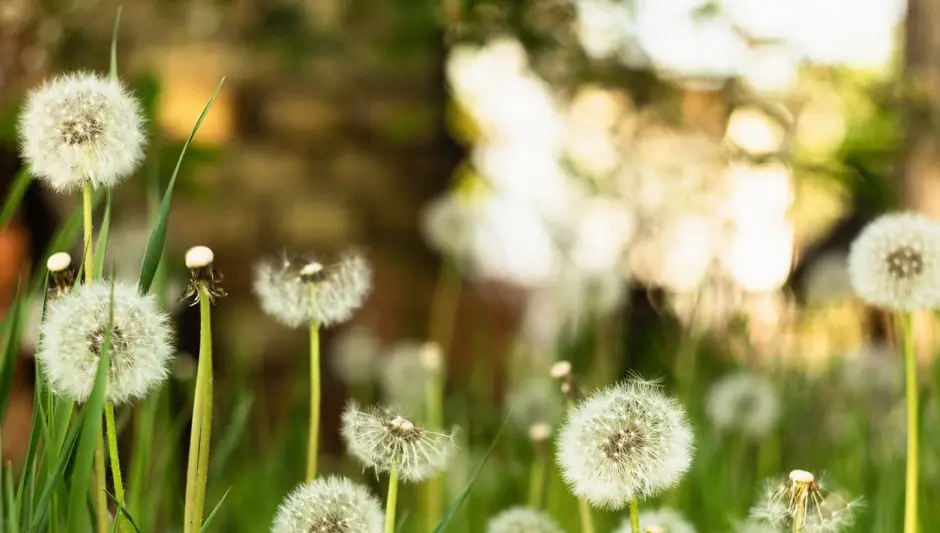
(13, 521)
(452, 511)
(112, 71)
(28, 477)
(215, 509)
(11, 350)
(157, 238)
(102, 248)
(15, 196)
(232, 436)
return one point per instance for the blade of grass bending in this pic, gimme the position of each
(15, 196)
(208, 520)
(124, 512)
(102, 249)
(452, 511)
(112, 71)
(158, 234)
(11, 351)
(92, 414)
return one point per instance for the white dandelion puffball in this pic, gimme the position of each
(402, 375)
(663, 520)
(296, 292)
(354, 354)
(744, 402)
(624, 442)
(327, 505)
(81, 127)
(74, 332)
(522, 520)
(384, 440)
(894, 263)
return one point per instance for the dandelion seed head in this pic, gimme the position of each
(872, 372)
(329, 505)
(383, 439)
(81, 127)
(664, 520)
(354, 355)
(298, 292)
(58, 262)
(199, 257)
(895, 262)
(744, 402)
(75, 331)
(801, 498)
(522, 520)
(625, 441)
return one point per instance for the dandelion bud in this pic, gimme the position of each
(63, 277)
(743, 402)
(539, 433)
(522, 520)
(202, 277)
(75, 331)
(298, 292)
(58, 262)
(199, 257)
(79, 128)
(664, 520)
(327, 505)
(801, 503)
(384, 440)
(895, 262)
(627, 441)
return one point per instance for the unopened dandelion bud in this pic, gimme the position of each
(540, 432)
(61, 272)
(332, 504)
(431, 357)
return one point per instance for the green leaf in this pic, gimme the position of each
(452, 511)
(13, 521)
(62, 461)
(102, 249)
(232, 436)
(15, 196)
(215, 509)
(91, 431)
(11, 351)
(28, 476)
(112, 72)
(157, 238)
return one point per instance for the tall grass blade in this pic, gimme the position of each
(112, 71)
(15, 196)
(208, 520)
(11, 350)
(154, 251)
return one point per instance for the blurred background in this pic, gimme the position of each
(637, 185)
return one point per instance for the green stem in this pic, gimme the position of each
(800, 519)
(434, 420)
(537, 479)
(910, 360)
(584, 510)
(200, 432)
(313, 441)
(116, 468)
(87, 226)
(392, 500)
(635, 515)
(100, 488)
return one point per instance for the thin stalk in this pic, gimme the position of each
(87, 226)
(800, 519)
(434, 419)
(116, 467)
(635, 515)
(587, 522)
(910, 364)
(392, 500)
(204, 373)
(313, 440)
(537, 479)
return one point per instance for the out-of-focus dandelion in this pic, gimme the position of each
(535, 401)
(872, 372)
(448, 224)
(74, 332)
(664, 520)
(625, 442)
(895, 262)
(81, 128)
(753, 526)
(522, 520)
(389, 442)
(803, 504)
(354, 355)
(745, 402)
(827, 279)
(333, 504)
(403, 375)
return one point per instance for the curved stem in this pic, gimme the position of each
(313, 441)
(391, 501)
(116, 477)
(910, 365)
(635, 515)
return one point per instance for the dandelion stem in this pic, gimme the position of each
(392, 500)
(313, 442)
(587, 522)
(87, 226)
(116, 467)
(200, 434)
(635, 515)
(910, 364)
(100, 486)
(434, 419)
(537, 479)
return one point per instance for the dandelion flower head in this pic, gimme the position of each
(801, 501)
(895, 262)
(664, 520)
(384, 440)
(332, 504)
(74, 332)
(81, 127)
(624, 442)
(743, 402)
(522, 520)
(297, 292)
